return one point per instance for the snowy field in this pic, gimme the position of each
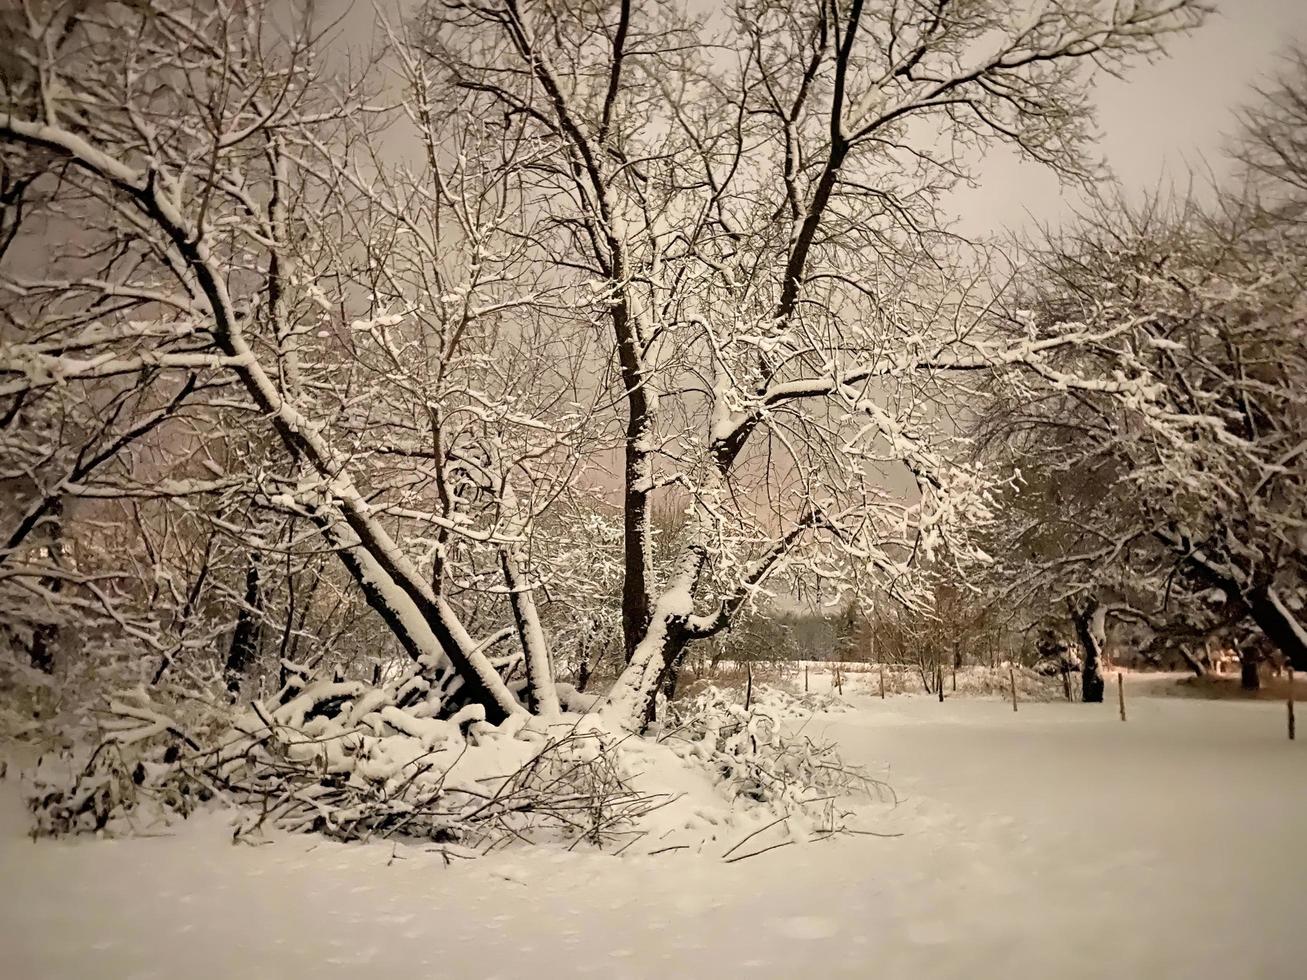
(1054, 842)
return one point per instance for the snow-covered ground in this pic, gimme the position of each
(1053, 842)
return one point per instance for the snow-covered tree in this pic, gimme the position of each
(1165, 463)
(755, 220)
(709, 248)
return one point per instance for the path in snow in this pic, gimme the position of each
(1055, 842)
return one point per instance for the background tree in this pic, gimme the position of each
(1170, 489)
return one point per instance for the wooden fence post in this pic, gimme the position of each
(1120, 693)
(1012, 678)
(939, 681)
(1289, 702)
(805, 677)
(882, 682)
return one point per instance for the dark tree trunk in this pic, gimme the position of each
(1249, 679)
(671, 677)
(245, 637)
(636, 600)
(1091, 686)
(1193, 662)
(41, 653)
(1278, 627)
(46, 635)
(1091, 676)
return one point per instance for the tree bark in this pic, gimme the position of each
(1088, 622)
(1249, 679)
(635, 532)
(1279, 625)
(542, 696)
(1193, 662)
(636, 690)
(249, 626)
(671, 677)
(46, 635)
(41, 652)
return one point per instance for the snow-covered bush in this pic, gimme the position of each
(346, 759)
(357, 761)
(761, 753)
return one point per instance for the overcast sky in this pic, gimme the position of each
(1162, 120)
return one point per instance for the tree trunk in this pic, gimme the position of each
(46, 635)
(41, 653)
(1089, 624)
(249, 624)
(670, 679)
(1193, 662)
(1280, 625)
(541, 695)
(1249, 679)
(1272, 617)
(637, 476)
(635, 692)
(425, 626)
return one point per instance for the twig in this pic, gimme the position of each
(745, 840)
(784, 843)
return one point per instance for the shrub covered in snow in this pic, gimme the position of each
(357, 761)
(344, 758)
(761, 753)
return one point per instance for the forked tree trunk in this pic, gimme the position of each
(633, 696)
